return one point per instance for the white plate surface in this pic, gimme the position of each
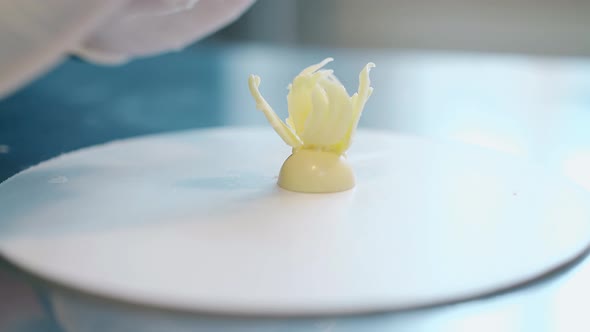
(195, 221)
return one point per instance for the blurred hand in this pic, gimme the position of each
(147, 27)
(35, 35)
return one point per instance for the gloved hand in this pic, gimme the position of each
(146, 27)
(35, 35)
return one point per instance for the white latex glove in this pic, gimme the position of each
(35, 35)
(146, 27)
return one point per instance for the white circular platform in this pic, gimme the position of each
(195, 221)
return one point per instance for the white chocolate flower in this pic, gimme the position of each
(322, 116)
